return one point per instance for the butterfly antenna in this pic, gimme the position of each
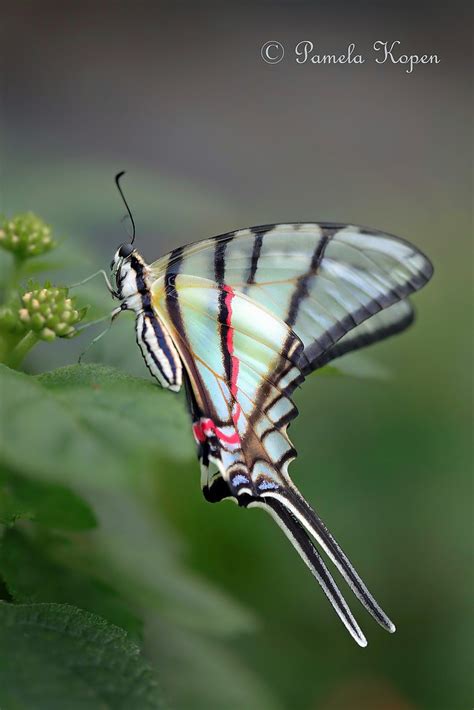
(118, 177)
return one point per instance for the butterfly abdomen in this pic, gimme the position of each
(158, 350)
(153, 338)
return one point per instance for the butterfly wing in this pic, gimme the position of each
(265, 307)
(242, 365)
(324, 280)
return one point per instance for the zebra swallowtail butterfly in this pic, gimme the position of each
(240, 320)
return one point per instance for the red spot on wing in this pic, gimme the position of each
(206, 427)
(198, 432)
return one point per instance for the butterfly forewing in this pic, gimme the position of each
(321, 279)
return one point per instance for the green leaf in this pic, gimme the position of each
(55, 656)
(50, 504)
(89, 424)
(99, 428)
(33, 571)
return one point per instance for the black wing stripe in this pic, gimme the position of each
(182, 343)
(150, 321)
(286, 418)
(291, 348)
(219, 260)
(257, 248)
(289, 455)
(176, 259)
(223, 311)
(304, 546)
(302, 285)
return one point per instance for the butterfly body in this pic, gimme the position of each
(133, 288)
(241, 320)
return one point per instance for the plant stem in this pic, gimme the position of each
(14, 278)
(19, 352)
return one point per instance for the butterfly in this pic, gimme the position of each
(239, 321)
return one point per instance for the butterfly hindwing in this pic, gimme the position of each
(383, 324)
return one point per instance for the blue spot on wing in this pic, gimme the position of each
(267, 485)
(239, 480)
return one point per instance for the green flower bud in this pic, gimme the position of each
(49, 312)
(54, 322)
(24, 315)
(47, 334)
(64, 330)
(37, 321)
(9, 319)
(26, 235)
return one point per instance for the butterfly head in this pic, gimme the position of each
(124, 267)
(125, 250)
(123, 254)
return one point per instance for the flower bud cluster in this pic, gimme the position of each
(49, 313)
(26, 235)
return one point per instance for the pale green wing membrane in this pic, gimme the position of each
(251, 313)
(323, 280)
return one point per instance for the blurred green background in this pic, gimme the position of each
(215, 139)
